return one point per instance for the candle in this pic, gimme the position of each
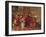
(22, 23)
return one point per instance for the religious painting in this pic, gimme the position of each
(24, 18)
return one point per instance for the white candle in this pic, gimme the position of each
(22, 24)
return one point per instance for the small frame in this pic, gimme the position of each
(24, 18)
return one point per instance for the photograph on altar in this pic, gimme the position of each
(25, 18)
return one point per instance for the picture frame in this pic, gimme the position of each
(37, 9)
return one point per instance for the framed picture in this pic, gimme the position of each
(24, 18)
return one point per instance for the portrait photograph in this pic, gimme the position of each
(24, 18)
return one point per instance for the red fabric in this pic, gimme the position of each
(28, 20)
(30, 23)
